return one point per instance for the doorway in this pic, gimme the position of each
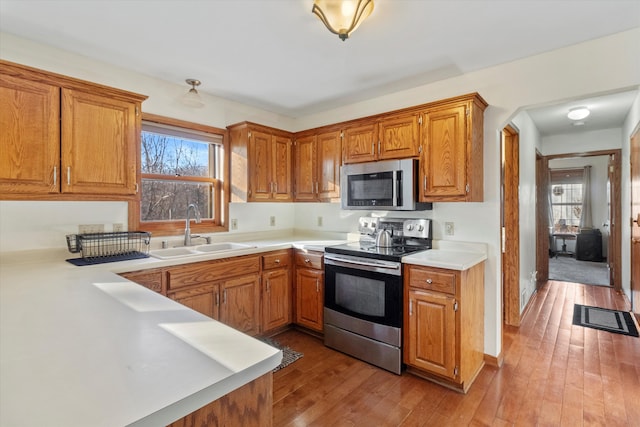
(575, 254)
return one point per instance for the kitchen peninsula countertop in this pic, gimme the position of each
(83, 346)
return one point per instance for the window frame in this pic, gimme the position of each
(220, 196)
(561, 177)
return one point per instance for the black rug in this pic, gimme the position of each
(619, 322)
(288, 355)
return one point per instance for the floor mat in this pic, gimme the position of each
(288, 355)
(619, 322)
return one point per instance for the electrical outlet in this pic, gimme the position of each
(272, 221)
(448, 228)
(319, 221)
(90, 228)
(117, 227)
(234, 224)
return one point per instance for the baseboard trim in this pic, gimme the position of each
(495, 361)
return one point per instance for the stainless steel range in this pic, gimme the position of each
(363, 289)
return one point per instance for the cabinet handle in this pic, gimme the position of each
(410, 307)
(275, 187)
(217, 298)
(317, 186)
(378, 146)
(224, 296)
(429, 281)
(68, 175)
(425, 183)
(373, 148)
(317, 286)
(268, 286)
(55, 176)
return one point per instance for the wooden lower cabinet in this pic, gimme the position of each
(444, 324)
(240, 304)
(310, 299)
(276, 301)
(249, 406)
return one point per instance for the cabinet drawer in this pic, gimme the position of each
(151, 279)
(310, 259)
(277, 259)
(432, 279)
(212, 271)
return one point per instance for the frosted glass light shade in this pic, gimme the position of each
(342, 17)
(578, 113)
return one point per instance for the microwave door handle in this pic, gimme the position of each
(396, 188)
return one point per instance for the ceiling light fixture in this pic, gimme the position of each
(578, 113)
(192, 98)
(342, 17)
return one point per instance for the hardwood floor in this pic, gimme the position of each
(554, 374)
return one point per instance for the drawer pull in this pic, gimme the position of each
(277, 261)
(307, 260)
(429, 281)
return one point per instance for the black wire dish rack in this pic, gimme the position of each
(99, 248)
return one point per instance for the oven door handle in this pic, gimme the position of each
(338, 261)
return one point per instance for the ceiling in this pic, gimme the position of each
(276, 55)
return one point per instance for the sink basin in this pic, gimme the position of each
(172, 252)
(215, 247)
(197, 250)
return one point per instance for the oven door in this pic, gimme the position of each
(367, 289)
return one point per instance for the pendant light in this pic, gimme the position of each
(192, 98)
(342, 17)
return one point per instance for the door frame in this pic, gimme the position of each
(615, 206)
(634, 235)
(510, 225)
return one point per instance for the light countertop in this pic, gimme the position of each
(83, 346)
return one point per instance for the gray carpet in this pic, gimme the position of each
(568, 269)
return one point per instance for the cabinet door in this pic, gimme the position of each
(310, 298)
(444, 155)
(30, 136)
(305, 169)
(281, 167)
(329, 155)
(240, 306)
(203, 299)
(99, 144)
(276, 305)
(360, 144)
(399, 137)
(432, 332)
(260, 183)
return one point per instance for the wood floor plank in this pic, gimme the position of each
(554, 374)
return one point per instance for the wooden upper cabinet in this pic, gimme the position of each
(317, 167)
(30, 136)
(261, 163)
(360, 143)
(399, 137)
(452, 151)
(62, 137)
(99, 149)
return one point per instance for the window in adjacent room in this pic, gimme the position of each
(182, 163)
(566, 199)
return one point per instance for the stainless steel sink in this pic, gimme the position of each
(197, 250)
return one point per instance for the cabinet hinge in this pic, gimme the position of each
(455, 306)
(420, 149)
(249, 134)
(295, 142)
(467, 111)
(456, 370)
(420, 119)
(341, 134)
(136, 188)
(137, 111)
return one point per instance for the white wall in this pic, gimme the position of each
(530, 140)
(601, 65)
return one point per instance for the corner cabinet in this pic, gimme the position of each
(261, 163)
(63, 136)
(317, 160)
(452, 150)
(310, 290)
(444, 324)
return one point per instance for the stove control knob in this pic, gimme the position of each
(421, 227)
(410, 227)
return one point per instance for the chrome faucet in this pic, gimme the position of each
(187, 229)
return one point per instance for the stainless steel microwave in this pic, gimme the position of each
(390, 185)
